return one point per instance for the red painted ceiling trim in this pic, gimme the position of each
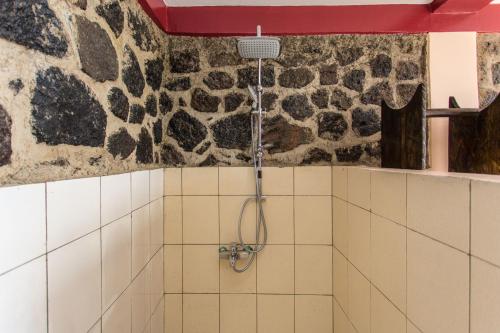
(158, 11)
(459, 6)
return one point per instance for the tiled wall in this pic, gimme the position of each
(83, 255)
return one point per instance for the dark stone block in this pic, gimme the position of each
(320, 98)
(243, 157)
(351, 154)
(304, 50)
(144, 152)
(131, 73)
(82, 4)
(316, 155)
(222, 52)
(151, 105)
(170, 156)
(331, 126)
(219, 81)
(407, 70)
(355, 80)
(269, 101)
(65, 111)
(187, 130)
(118, 103)
(295, 78)
(381, 66)
(347, 56)
(154, 72)
(182, 102)
(113, 14)
(203, 148)
(495, 70)
(365, 123)
(405, 92)
(166, 103)
(121, 144)
(280, 136)
(328, 75)
(141, 32)
(5, 137)
(137, 113)
(31, 23)
(97, 54)
(158, 131)
(297, 106)
(203, 101)
(16, 86)
(233, 132)
(341, 100)
(184, 61)
(377, 93)
(179, 84)
(249, 76)
(232, 101)
(211, 160)
(374, 150)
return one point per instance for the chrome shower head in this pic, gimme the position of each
(259, 47)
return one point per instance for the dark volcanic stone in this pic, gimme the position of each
(158, 131)
(82, 4)
(144, 152)
(316, 155)
(328, 75)
(222, 52)
(347, 56)
(203, 101)
(351, 154)
(281, 136)
(5, 137)
(243, 157)
(211, 160)
(113, 14)
(179, 84)
(365, 123)
(407, 70)
(249, 76)
(269, 101)
(187, 130)
(232, 101)
(295, 78)
(97, 54)
(141, 32)
(320, 98)
(65, 111)
(233, 132)
(166, 103)
(118, 103)
(203, 148)
(341, 100)
(377, 93)
(131, 73)
(405, 92)
(151, 105)
(331, 126)
(374, 150)
(154, 72)
(496, 73)
(170, 156)
(31, 23)
(219, 80)
(121, 144)
(184, 61)
(355, 80)
(16, 86)
(381, 66)
(303, 50)
(182, 102)
(297, 106)
(137, 113)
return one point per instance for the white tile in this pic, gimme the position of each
(359, 300)
(359, 238)
(22, 224)
(155, 184)
(156, 225)
(388, 195)
(485, 300)
(157, 319)
(23, 300)
(118, 318)
(140, 239)
(156, 279)
(339, 182)
(236, 180)
(341, 323)
(72, 210)
(140, 188)
(340, 225)
(74, 273)
(96, 328)
(116, 259)
(140, 302)
(358, 187)
(385, 317)
(115, 197)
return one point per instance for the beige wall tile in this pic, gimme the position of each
(200, 268)
(313, 220)
(340, 279)
(339, 182)
(172, 179)
(341, 323)
(277, 181)
(236, 181)
(275, 270)
(485, 220)
(388, 195)
(173, 269)
(200, 313)
(278, 211)
(359, 300)
(230, 208)
(172, 220)
(233, 283)
(485, 297)
(275, 313)
(359, 238)
(438, 285)
(238, 313)
(340, 225)
(358, 187)
(313, 314)
(410, 328)
(117, 318)
(385, 317)
(313, 180)
(200, 219)
(313, 269)
(439, 207)
(388, 259)
(173, 313)
(200, 181)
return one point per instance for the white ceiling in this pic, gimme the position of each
(193, 3)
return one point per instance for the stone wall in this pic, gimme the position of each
(488, 51)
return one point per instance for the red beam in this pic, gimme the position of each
(459, 6)
(157, 10)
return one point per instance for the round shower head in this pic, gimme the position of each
(259, 47)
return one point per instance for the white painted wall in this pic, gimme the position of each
(194, 3)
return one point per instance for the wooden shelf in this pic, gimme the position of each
(437, 113)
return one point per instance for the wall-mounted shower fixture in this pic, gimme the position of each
(258, 47)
